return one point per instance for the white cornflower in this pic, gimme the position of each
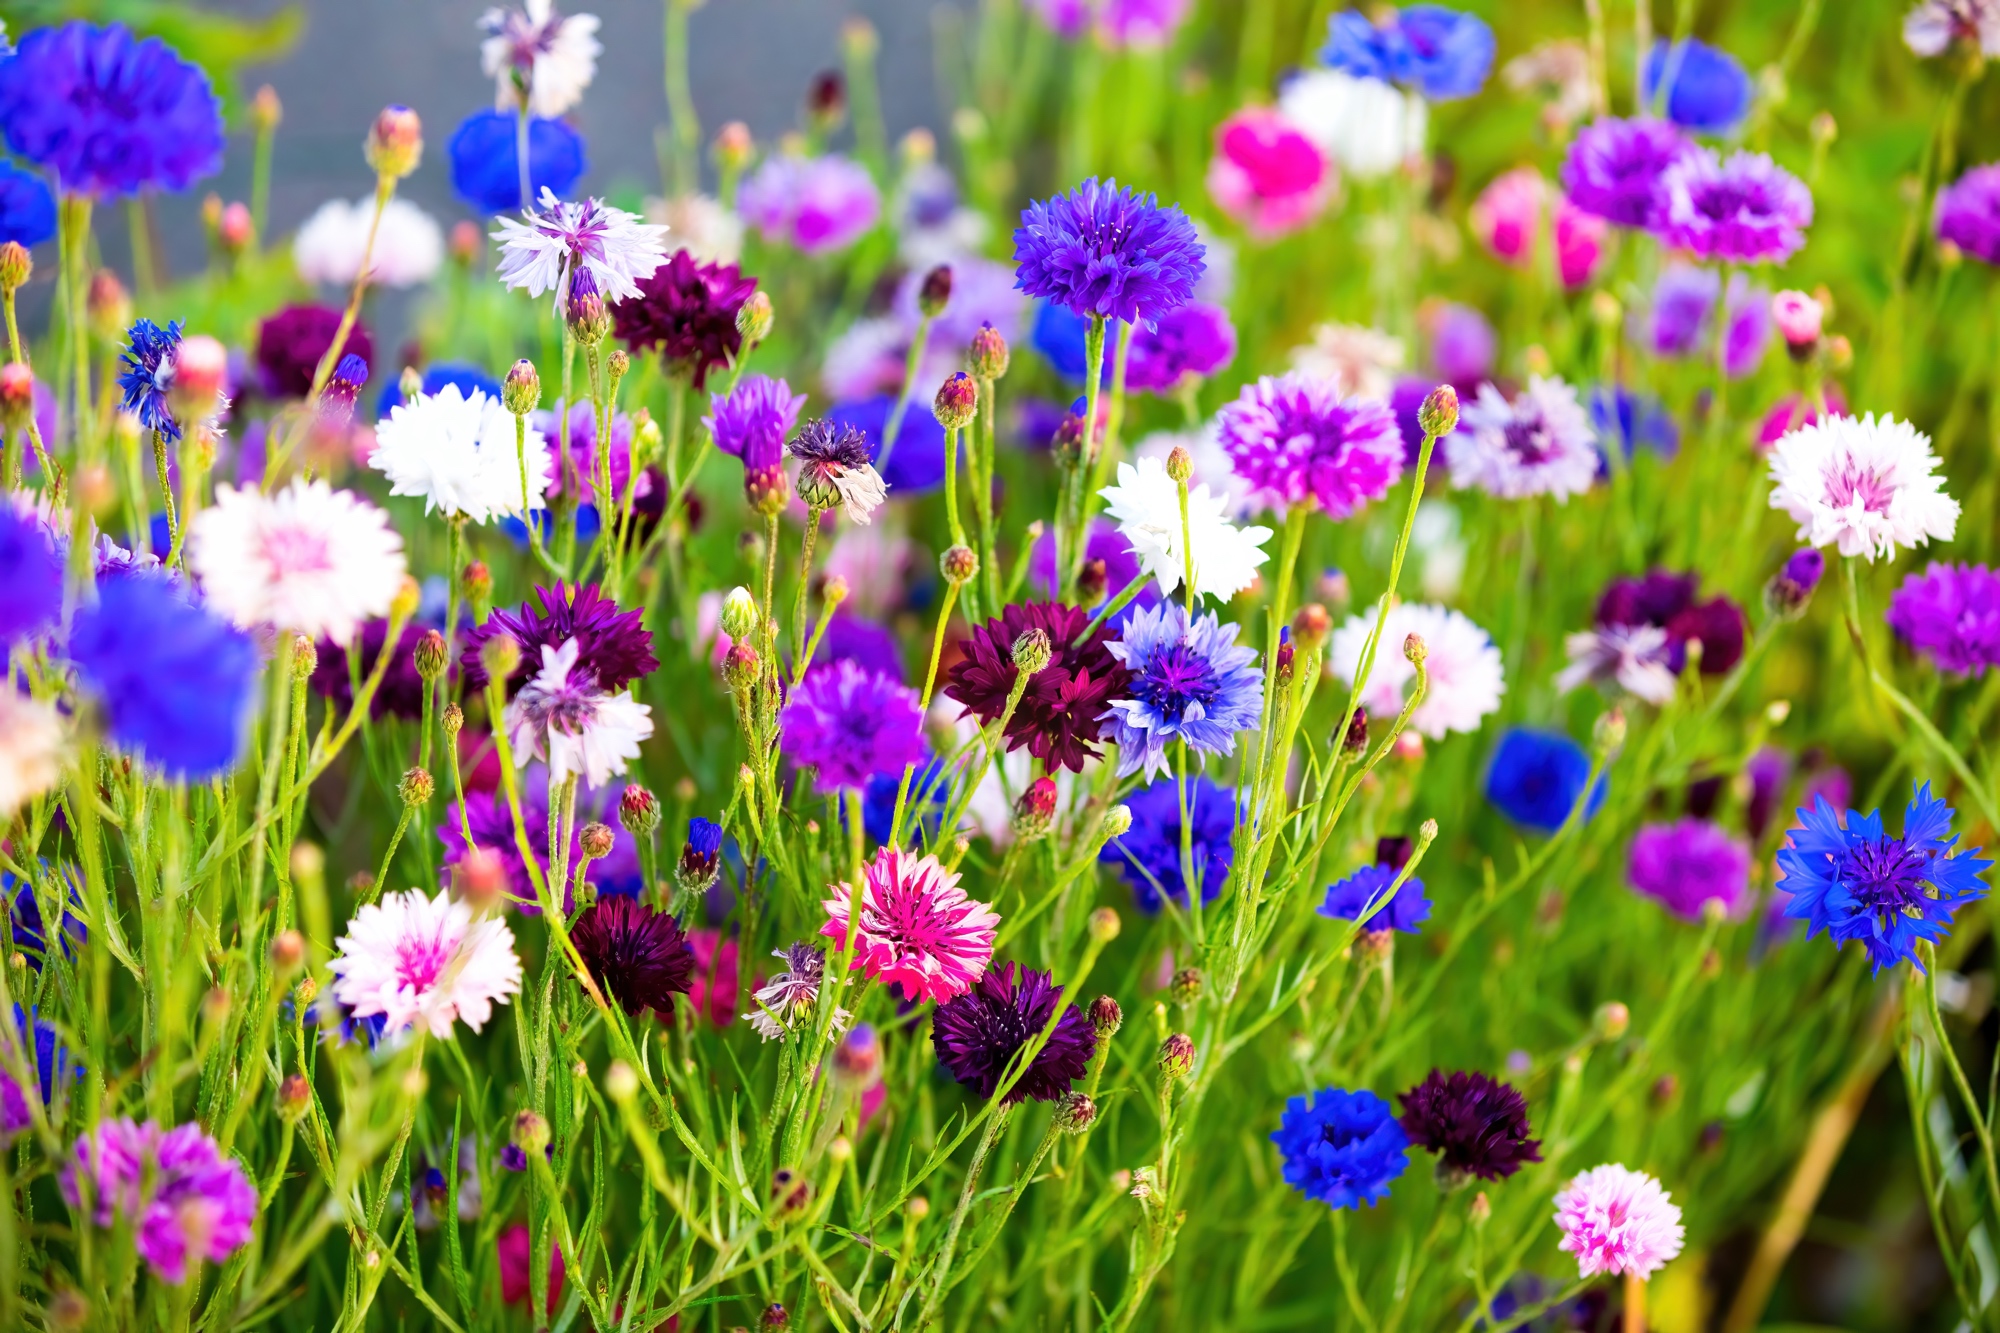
(1931, 28)
(1541, 443)
(560, 715)
(614, 246)
(700, 224)
(1147, 508)
(409, 244)
(1364, 124)
(555, 56)
(1466, 680)
(1633, 656)
(459, 454)
(1356, 358)
(792, 994)
(31, 737)
(308, 559)
(412, 959)
(1866, 487)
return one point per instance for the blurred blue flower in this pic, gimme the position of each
(464, 378)
(1149, 853)
(1710, 91)
(1406, 911)
(1633, 421)
(917, 465)
(27, 209)
(30, 578)
(1441, 53)
(929, 787)
(485, 163)
(1537, 777)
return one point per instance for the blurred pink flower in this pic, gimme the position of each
(1266, 174)
(1508, 215)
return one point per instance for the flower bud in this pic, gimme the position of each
(343, 389)
(531, 1134)
(215, 1005)
(1610, 1021)
(1104, 925)
(266, 110)
(452, 719)
(1605, 309)
(429, 655)
(236, 229)
(1106, 1017)
(701, 856)
(1480, 1211)
(1117, 822)
(465, 243)
(288, 950)
(917, 1209)
(1790, 591)
(739, 614)
(305, 657)
(584, 310)
(826, 99)
(596, 840)
(1180, 464)
(1798, 318)
(774, 1319)
(17, 396)
(790, 1191)
(409, 596)
(741, 667)
(989, 355)
(416, 787)
(621, 1082)
(935, 293)
(1310, 626)
(500, 656)
(1609, 731)
(734, 146)
(16, 266)
(857, 1060)
(766, 490)
(616, 365)
(1035, 812)
(959, 565)
(1355, 741)
(1093, 580)
(957, 401)
(754, 318)
(638, 810)
(107, 307)
(1415, 649)
(1176, 1057)
(1439, 413)
(294, 1099)
(480, 877)
(522, 392)
(1075, 1112)
(1186, 987)
(395, 142)
(1287, 655)
(1032, 651)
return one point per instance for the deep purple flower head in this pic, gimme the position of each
(1463, 346)
(1968, 213)
(1614, 168)
(642, 957)
(485, 160)
(851, 724)
(1681, 321)
(1743, 210)
(977, 1033)
(291, 343)
(27, 209)
(146, 366)
(31, 577)
(1100, 250)
(1685, 865)
(819, 205)
(753, 419)
(1667, 600)
(107, 113)
(612, 645)
(1537, 777)
(1149, 853)
(686, 311)
(1707, 89)
(1849, 878)
(1406, 911)
(1950, 614)
(492, 824)
(185, 1199)
(1440, 52)
(1296, 440)
(1796, 579)
(1195, 340)
(1341, 1148)
(1060, 716)
(401, 693)
(1477, 1125)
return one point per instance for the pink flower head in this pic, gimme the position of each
(1579, 243)
(712, 994)
(918, 928)
(820, 204)
(1508, 214)
(1617, 1220)
(1267, 174)
(186, 1200)
(1793, 411)
(1798, 318)
(1295, 439)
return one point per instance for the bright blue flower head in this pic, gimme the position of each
(108, 113)
(27, 209)
(1853, 881)
(175, 681)
(1341, 1148)
(1149, 853)
(1633, 420)
(1190, 682)
(1709, 93)
(1408, 910)
(1100, 250)
(929, 786)
(917, 465)
(30, 578)
(1440, 52)
(485, 163)
(147, 374)
(1537, 777)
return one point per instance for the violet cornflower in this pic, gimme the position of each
(1614, 168)
(1968, 211)
(1111, 252)
(1686, 865)
(1951, 615)
(1193, 342)
(819, 205)
(751, 423)
(185, 1199)
(851, 724)
(1742, 210)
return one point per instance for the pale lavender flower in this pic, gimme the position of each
(1541, 443)
(558, 239)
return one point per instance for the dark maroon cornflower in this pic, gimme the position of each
(291, 343)
(1667, 600)
(687, 312)
(642, 957)
(611, 644)
(1477, 1125)
(401, 693)
(1057, 717)
(976, 1034)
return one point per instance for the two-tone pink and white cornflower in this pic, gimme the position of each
(917, 928)
(1464, 667)
(1619, 1221)
(414, 960)
(561, 716)
(1868, 487)
(308, 559)
(613, 246)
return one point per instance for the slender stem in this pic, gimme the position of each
(1926, 963)
(912, 363)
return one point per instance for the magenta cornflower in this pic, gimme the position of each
(1100, 250)
(917, 928)
(1266, 173)
(1614, 168)
(185, 1200)
(1745, 209)
(1968, 212)
(1686, 865)
(1295, 440)
(1951, 615)
(1616, 1220)
(819, 205)
(851, 724)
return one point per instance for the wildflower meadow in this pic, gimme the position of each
(1310, 667)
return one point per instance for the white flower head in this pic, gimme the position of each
(1366, 125)
(459, 454)
(1358, 359)
(31, 742)
(708, 229)
(409, 244)
(555, 56)
(561, 716)
(1212, 466)
(1146, 505)
(613, 246)
(1866, 487)
(1634, 657)
(1931, 28)
(411, 959)
(308, 559)
(1541, 443)
(1466, 680)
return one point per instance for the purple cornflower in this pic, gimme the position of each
(146, 375)
(612, 645)
(751, 424)
(492, 824)
(1682, 319)
(1850, 879)
(1195, 340)
(1342, 1148)
(819, 205)
(1614, 168)
(581, 469)
(107, 113)
(1477, 1125)
(1406, 911)
(1968, 212)
(185, 1199)
(1100, 250)
(1294, 439)
(978, 1033)
(1440, 52)
(1149, 853)
(1189, 682)
(31, 576)
(1541, 443)
(1686, 865)
(1743, 210)
(1667, 600)
(641, 956)
(1950, 614)
(851, 724)
(1462, 345)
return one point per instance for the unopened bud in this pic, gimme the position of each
(1093, 580)
(522, 391)
(236, 229)
(734, 146)
(1186, 987)
(1035, 811)
(17, 396)
(1610, 729)
(957, 401)
(1415, 649)
(1117, 822)
(215, 1005)
(754, 318)
(1075, 1112)
(1605, 310)
(596, 840)
(16, 266)
(857, 1060)
(466, 242)
(917, 1209)
(826, 99)
(476, 583)
(739, 615)
(266, 110)
(1287, 655)
(294, 1099)
(1480, 1212)
(1032, 651)
(410, 384)
(959, 565)
(481, 878)
(584, 309)
(395, 142)
(790, 1191)
(638, 810)
(531, 1134)
(107, 306)
(1610, 1021)
(1106, 1017)
(1104, 925)
(1355, 741)
(1180, 464)
(428, 655)
(621, 1083)
(452, 720)
(774, 1319)
(935, 293)
(1439, 413)
(989, 355)
(416, 787)
(305, 657)
(1176, 1057)
(500, 656)
(288, 950)
(741, 667)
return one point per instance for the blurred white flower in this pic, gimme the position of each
(409, 244)
(1145, 503)
(31, 738)
(1633, 657)
(1865, 487)
(458, 453)
(1359, 360)
(1367, 126)
(557, 56)
(700, 224)
(307, 559)
(1466, 679)
(410, 959)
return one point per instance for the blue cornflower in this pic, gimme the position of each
(437, 377)
(1190, 682)
(1852, 880)
(148, 375)
(1100, 250)
(24, 913)
(917, 463)
(1632, 420)
(27, 209)
(1149, 853)
(929, 786)
(1406, 911)
(1537, 777)
(30, 578)
(1710, 91)
(485, 168)
(1440, 52)
(1342, 1148)
(174, 680)
(107, 113)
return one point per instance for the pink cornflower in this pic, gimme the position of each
(412, 959)
(1617, 1220)
(185, 1199)
(918, 928)
(1266, 174)
(1508, 216)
